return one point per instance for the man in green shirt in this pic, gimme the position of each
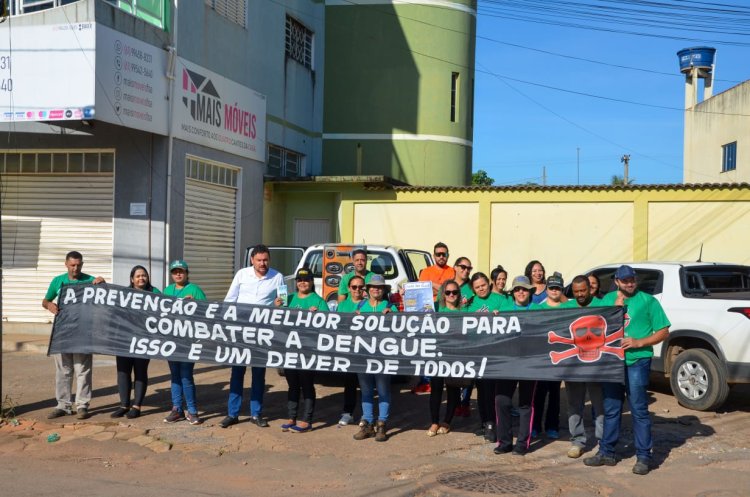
(67, 365)
(359, 260)
(646, 325)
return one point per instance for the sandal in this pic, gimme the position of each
(444, 429)
(300, 429)
(431, 432)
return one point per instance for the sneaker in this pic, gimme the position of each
(259, 421)
(133, 413)
(502, 449)
(346, 419)
(193, 419)
(365, 431)
(57, 413)
(83, 413)
(519, 450)
(600, 460)
(380, 435)
(480, 431)
(575, 451)
(421, 389)
(553, 434)
(175, 415)
(228, 421)
(489, 433)
(641, 467)
(120, 412)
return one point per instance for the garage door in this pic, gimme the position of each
(52, 202)
(210, 221)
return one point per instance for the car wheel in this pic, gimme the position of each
(699, 380)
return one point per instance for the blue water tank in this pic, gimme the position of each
(700, 57)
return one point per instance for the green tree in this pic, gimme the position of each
(481, 178)
(618, 180)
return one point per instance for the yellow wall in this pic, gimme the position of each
(566, 237)
(419, 226)
(677, 229)
(569, 229)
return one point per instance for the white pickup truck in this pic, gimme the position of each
(708, 304)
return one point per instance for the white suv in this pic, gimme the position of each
(708, 304)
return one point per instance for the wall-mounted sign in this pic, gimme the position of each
(216, 112)
(47, 72)
(131, 82)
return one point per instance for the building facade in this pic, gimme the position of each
(139, 137)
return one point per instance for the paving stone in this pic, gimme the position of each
(129, 434)
(103, 436)
(89, 430)
(159, 446)
(141, 440)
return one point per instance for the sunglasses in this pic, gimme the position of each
(464, 267)
(554, 288)
(356, 287)
(452, 292)
(441, 254)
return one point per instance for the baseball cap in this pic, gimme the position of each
(521, 282)
(555, 281)
(377, 280)
(178, 264)
(303, 274)
(624, 272)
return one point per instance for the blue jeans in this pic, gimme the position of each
(636, 388)
(183, 385)
(367, 385)
(257, 388)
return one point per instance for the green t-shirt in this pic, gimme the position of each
(348, 305)
(446, 309)
(189, 290)
(493, 302)
(58, 281)
(573, 303)
(344, 285)
(379, 308)
(545, 305)
(510, 305)
(644, 316)
(312, 300)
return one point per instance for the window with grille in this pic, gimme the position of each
(299, 42)
(211, 172)
(283, 162)
(57, 162)
(234, 10)
(729, 157)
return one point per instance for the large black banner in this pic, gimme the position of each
(568, 344)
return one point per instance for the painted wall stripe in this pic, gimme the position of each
(433, 3)
(397, 136)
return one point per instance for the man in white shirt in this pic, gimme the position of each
(257, 285)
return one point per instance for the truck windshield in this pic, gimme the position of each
(379, 262)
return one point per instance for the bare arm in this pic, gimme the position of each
(637, 343)
(50, 306)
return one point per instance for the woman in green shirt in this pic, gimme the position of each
(354, 300)
(131, 368)
(300, 379)
(183, 384)
(485, 301)
(449, 301)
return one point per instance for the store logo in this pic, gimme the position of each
(201, 98)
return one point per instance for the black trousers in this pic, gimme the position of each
(504, 390)
(552, 419)
(127, 368)
(297, 380)
(486, 400)
(351, 383)
(436, 398)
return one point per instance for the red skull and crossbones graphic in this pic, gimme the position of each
(588, 335)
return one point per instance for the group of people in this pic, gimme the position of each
(455, 289)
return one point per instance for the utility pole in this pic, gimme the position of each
(578, 165)
(544, 175)
(625, 159)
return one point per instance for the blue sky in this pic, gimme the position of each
(514, 137)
